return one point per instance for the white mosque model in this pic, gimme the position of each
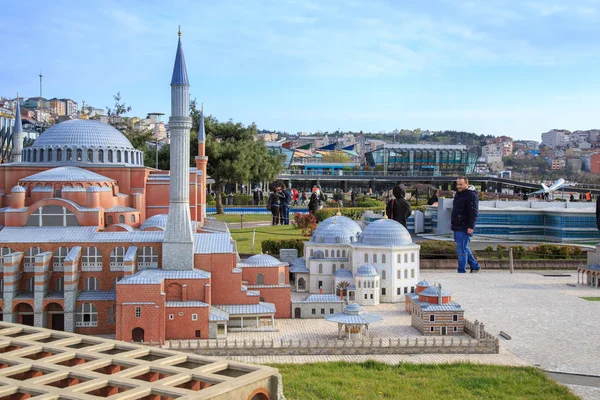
(377, 265)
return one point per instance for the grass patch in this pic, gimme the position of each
(591, 298)
(243, 237)
(374, 380)
(247, 217)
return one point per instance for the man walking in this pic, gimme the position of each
(464, 217)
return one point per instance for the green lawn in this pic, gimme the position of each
(372, 380)
(591, 298)
(247, 217)
(243, 237)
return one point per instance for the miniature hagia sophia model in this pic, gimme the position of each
(94, 242)
(377, 265)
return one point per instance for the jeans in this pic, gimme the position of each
(275, 213)
(285, 214)
(464, 253)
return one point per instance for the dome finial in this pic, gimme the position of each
(179, 31)
(339, 212)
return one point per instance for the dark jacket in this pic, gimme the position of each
(433, 199)
(314, 202)
(287, 197)
(465, 210)
(398, 210)
(274, 199)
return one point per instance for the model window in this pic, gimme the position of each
(359, 282)
(405, 258)
(91, 260)
(412, 273)
(121, 219)
(383, 258)
(344, 253)
(118, 155)
(59, 155)
(49, 154)
(326, 253)
(110, 156)
(59, 258)
(90, 156)
(371, 296)
(455, 329)
(92, 284)
(69, 155)
(126, 156)
(132, 217)
(58, 193)
(412, 257)
(383, 291)
(398, 258)
(366, 296)
(382, 274)
(431, 318)
(194, 317)
(260, 279)
(455, 318)
(87, 315)
(147, 258)
(338, 254)
(333, 268)
(320, 268)
(4, 251)
(405, 274)
(431, 329)
(281, 278)
(29, 259)
(398, 291)
(366, 258)
(405, 289)
(399, 274)
(322, 311)
(41, 154)
(412, 289)
(314, 311)
(171, 317)
(320, 284)
(100, 155)
(34, 155)
(52, 216)
(109, 220)
(342, 266)
(79, 155)
(30, 285)
(116, 258)
(111, 314)
(138, 312)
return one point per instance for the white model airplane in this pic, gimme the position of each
(559, 184)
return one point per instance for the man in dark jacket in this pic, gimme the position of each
(398, 208)
(465, 210)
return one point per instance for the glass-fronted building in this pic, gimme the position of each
(423, 159)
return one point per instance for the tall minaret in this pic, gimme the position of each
(17, 135)
(201, 162)
(178, 243)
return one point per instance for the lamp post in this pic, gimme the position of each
(156, 128)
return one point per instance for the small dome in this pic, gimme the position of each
(366, 270)
(433, 291)
(262, 260)
(336, 229)
(343, 273)
(353, 308)
(386, 233)
(155, 221)
(423, 284)
(18, 189)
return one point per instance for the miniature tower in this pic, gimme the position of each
(201, 162)
(178, 243)
(17, 135)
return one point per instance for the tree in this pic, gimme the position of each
(236, 157)
(120, 108)
(336, 156)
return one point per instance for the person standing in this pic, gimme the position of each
(273, 203)
(353, 197)
(256, 196)
(465, 211)
(295, 197)
(398, 208)
(284, 207)
(433, 199)
(314, 204)
(303, 198)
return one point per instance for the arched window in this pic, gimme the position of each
(412, 273)
(344, 253)
(260, 279)
(110, 156)
(312, 252)
(69, 155)
(359, 284)
(34, 155)
(4, 251)
(91, 259)
(109, 220)
(383, 258)
(281, 278)
(412, 257)
(342, 266)
(41, 154)
(118, 155)
(126, 156)
(405, 274)
(49, 154)
(90, 156)
(59, 155)
(326, 253)
(320, 268)
(366, 258)
(29, 259)
(52, 216)
(100, 155)
(132, 217)
(79, 155)
(59, 258)
(60, 284)
(337, 254)
(399, 274)
(383, 274)
(333, 268)
(58, 193)
(87, 315)
(121, 219)
(405, 258)
(147, 258)
(398, 259)
(116, 258)
(92, 284)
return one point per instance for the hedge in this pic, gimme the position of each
(352, 213)
(272, 247)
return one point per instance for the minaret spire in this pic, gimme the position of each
(201, 132)
(17, 134)
(178, 242)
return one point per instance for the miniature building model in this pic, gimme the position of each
(353, 322)
(94, 242)
(433, 312)
(40, 362)
(590, 273)
(377, 265)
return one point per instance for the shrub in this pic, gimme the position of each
(434, 249)
(368, 202)
(306, 222)
(352, 213)
(240, 199)
(210, 201)
(271, 246)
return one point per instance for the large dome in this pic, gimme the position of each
(337, 229)
(81, 141)
(387, 233)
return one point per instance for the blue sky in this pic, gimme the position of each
(515, 68)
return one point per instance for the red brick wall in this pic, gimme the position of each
(281, 297)
(182, 327)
